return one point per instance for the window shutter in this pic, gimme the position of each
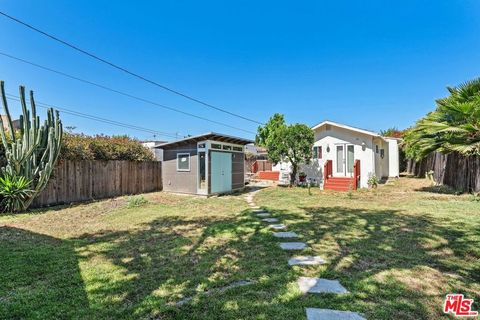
(319, 152)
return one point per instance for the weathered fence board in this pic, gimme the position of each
(77, 181)
(454, 170)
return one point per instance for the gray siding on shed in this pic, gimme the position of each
(180, 181)
(238, 170)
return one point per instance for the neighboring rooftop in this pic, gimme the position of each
(207, 136)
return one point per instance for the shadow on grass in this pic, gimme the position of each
(143, 271)
(365, 245)
(39, 277)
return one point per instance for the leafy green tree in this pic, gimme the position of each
(292, 143)
(453, 127)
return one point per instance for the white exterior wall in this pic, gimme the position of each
(364, 150)
(393, 158)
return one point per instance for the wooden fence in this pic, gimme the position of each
(453, 170)
(77, 181)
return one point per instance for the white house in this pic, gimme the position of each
(338, 148)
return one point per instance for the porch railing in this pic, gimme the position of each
(356, 174)
(327, 170)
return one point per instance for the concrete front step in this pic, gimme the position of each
(318, 285)
(270, 220)
(328, 314)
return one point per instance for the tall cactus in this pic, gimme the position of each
(34, 152)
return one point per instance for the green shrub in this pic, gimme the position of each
(100, 147)
(136, 201)
(14, 193)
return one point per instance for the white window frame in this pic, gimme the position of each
(183, 154)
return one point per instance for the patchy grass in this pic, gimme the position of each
(398, 250)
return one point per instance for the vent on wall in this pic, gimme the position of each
(328, 127)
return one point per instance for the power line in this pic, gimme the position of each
(121, 92)
(131, 73)
(96, 118)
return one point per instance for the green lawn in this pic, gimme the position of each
(398, 250)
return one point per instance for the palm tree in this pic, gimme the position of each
(453, 127)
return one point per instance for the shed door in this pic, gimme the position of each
(221, 167)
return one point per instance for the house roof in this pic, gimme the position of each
(344, 126)
(207, 136)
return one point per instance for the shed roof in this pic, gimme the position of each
(207, 136)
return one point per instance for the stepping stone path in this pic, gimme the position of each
(287, 234)
(293, 245)
(305, 284)
(306, 261)
(270, 220)
(318, 285)
(327, 314)
(263, 214)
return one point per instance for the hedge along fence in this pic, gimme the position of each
(84, 180)
(454, 170)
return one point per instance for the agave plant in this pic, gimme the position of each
(14, 191)
(453, 127)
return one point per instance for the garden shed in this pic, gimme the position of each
(206, 164)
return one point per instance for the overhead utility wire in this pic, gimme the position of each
(96, 118)
(131, 73)
(121, 92)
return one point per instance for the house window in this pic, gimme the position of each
(238, 149)
(317, 152)
(216, 146)
(376, 148)
(225, 147)
(382, 153)
(183, 161)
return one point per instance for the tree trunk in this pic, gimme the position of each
(293, 175)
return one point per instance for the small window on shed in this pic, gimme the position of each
(319, 152)
(227, 147)
(216, 146)
(376, 148)
(201, 145)
(183, 161)
(238, 149)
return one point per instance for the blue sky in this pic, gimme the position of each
(371, 64)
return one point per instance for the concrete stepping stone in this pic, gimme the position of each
(293, 245)
(287, 234)
(278, 226)
(318, 285)
(260, 211)
(306, 261)
(328, 314)
(263, 214)
(270, 220)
